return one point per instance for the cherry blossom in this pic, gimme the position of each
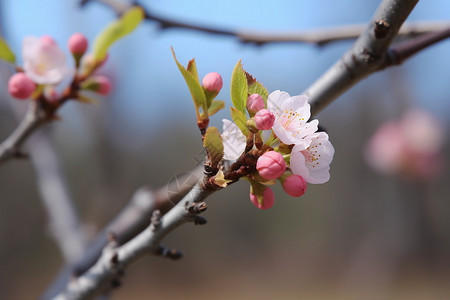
(291, 118)
(410, 147)
(44, 61)
(233, 140)
(313, 162)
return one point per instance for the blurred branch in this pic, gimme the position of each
(63, 220)
(109, 267)
(10, 148)
(315, 36)
(134, 218)
(367, 55)
(398, 53)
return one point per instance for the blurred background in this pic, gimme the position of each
(362, 235)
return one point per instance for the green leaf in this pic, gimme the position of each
(255, 87)
(239, 88)
(6, 53)
(240, 119)
(214, 145)
(216, 106)
(116, 30)
(191, 78)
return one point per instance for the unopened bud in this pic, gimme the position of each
(293, 185)
(20, 86)
(267, 201)
(264, 119)
(99, 84)
(77, 44)
(212, 82)
(255, 103)
(271, 165)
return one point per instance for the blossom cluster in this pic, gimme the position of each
(45, 66)
(296, 154)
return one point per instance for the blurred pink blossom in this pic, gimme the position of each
(410, 147)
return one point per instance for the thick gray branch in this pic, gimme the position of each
(367, 55)
(114, 259)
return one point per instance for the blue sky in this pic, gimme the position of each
(148, 83)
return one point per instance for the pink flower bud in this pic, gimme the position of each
(268, 199)
(264, 119)
(271, 165)
(255, 103)
(77, 44)
(99, 84)
(212, 82)
(47, 40)
(20, 86)
(294, 185)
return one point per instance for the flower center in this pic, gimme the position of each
(311, 155)
(289, 118)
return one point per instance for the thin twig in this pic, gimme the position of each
(10, 148)
(108, 268)
(399, 53)
(319, 37)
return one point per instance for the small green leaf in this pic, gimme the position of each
(6, 53)
(192, 68)
(239, 88)
(240, 119)
(214, 145)
(216, 106)
(83, 98)
(191, 78)
(255, 87)
(116, 30)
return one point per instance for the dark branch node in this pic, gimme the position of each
(169, 253)
(381, 28)
(156, 219)
(197, 208)
(115, 259)
(112, 240)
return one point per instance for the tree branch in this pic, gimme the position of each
(63, 220)
(367, 55)
(10, 148)
(113, 260)
(316, 36)
(134, 218)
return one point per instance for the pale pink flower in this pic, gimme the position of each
(234, 140)
(44, 61)
(291, 118)
(313, 162)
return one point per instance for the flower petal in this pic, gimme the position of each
(233, 140)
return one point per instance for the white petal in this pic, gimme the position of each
(313, 163)
(276, 99)
(233, 140)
